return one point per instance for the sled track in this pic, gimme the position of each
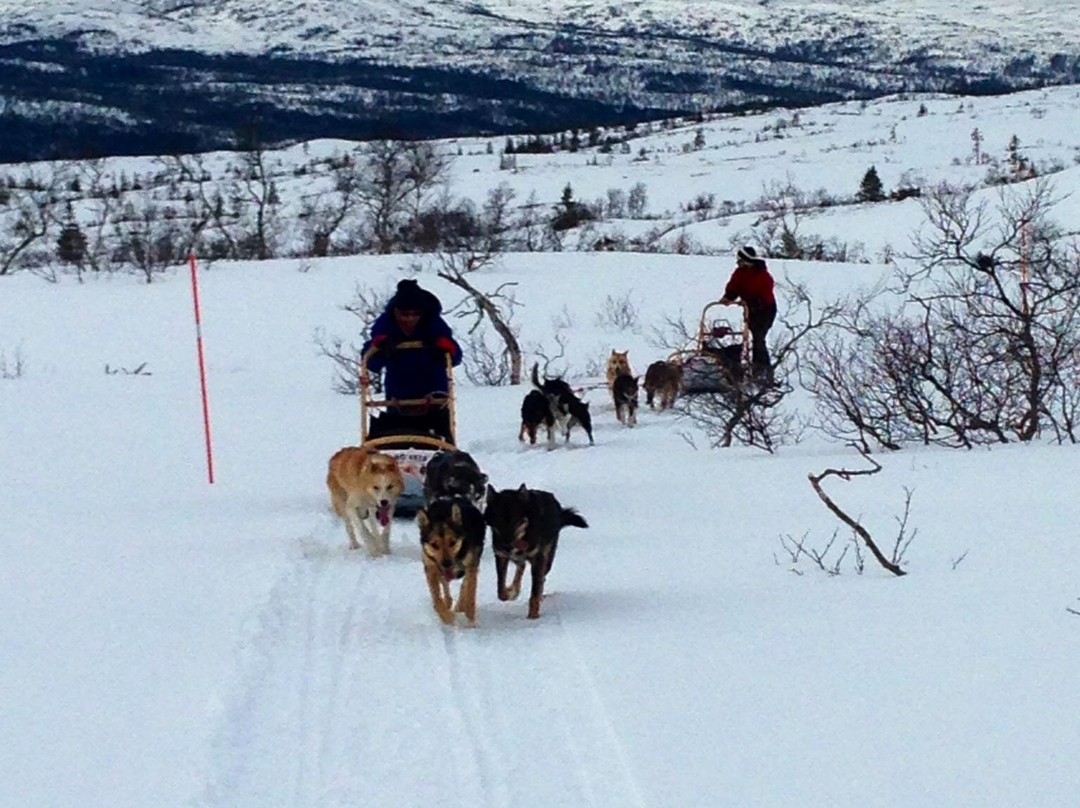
(349, 692)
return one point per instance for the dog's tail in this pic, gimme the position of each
(536, 377)
(570, 517)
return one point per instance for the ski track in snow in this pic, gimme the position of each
(322, 710)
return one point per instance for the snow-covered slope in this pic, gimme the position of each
(165, 642)
(956, 31)
(424, 69)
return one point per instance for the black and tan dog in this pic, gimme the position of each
(525, 527)
(454, 474)
(567, 409)
(536, 411)
(452, 541)
(624, 393)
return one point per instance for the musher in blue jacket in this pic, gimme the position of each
(412, 315)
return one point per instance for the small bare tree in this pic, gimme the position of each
(328, 212)
(148, 241)
(396, 178)
(30, 217)
(496, 306)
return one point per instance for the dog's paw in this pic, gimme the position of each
(446, 616)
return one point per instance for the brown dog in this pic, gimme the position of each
(452, 540)
(664, 378)
(364, 488)
(618, 364)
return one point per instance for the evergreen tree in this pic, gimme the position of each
(870, 189)
(71, 246)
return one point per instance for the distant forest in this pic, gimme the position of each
(59, 101)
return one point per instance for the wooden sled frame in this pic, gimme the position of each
(367, 403)
(699, 353)
(705, 333)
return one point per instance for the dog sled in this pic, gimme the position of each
(412, 430)
(718, 361)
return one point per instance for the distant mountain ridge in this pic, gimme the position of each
(83, 77)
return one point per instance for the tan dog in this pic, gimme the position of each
(364, 487)
(452, 541)
(618, 364)
(664, 378)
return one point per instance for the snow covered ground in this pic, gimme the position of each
(167, 642)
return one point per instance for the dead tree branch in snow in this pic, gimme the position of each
(893, 565)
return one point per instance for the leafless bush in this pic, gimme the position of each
(28, 216)
(986, 348)
(619, 314)
(563, 320)
(485, 366)
(149, 242)
(798, 549)
(138, 370)
(367, 304)
(346, 360)
(550, 364)
(13, 367)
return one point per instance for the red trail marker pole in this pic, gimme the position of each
(202, 370)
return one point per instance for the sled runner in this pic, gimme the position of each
(411, 430)
(719, 359)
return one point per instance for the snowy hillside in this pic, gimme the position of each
(151, 77)
(172, 643)
(955, 32)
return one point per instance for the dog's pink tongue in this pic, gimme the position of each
(448, 574)
(521, 545)
(383, 515)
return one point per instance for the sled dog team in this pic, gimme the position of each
(459, 506)
(554, 405)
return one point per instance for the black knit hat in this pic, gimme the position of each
(748, 255)
(410, 297)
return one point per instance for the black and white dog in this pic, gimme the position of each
(454, 474)
(566, 408)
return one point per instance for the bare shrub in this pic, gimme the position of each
(619, 313)
(985, 349)
(367, 304)
(121, 370)
(12, 367)
(798, 549)
(484, 365)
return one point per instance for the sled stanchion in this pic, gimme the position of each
(450, 397)
(202, 370)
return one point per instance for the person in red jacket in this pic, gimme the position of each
(752, 284)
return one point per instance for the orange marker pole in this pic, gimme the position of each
(202, 370)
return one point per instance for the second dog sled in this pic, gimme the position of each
(718, 360)
(412, 430)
